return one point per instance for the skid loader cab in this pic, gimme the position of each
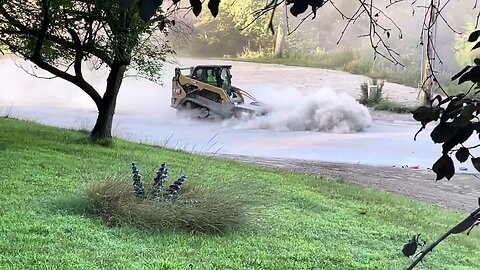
(221, 74)
(206, 89)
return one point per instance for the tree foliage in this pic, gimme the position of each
(227, 33)
(57, 35)
(464, 55)
(57, 31)
(457, 119)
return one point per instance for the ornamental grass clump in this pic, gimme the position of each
(177, 206)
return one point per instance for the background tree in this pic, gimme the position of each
(228, 33)
(216, 36)
(464, 55)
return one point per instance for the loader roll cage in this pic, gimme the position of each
(220, 72)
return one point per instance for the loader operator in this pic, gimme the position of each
(211, 78)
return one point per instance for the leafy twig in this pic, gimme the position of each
(467, 223)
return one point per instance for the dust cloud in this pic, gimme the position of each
(321, 110)
(137, 96)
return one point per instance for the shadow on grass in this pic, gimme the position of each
(86, 140)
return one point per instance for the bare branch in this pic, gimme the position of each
(33, 73)
(300, 23)
(138, 76)
(78, 54)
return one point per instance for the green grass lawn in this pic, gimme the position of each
(390, 106)
(300, 222)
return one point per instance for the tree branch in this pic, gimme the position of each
(43, 29)
(87, 88)
(89, 48)
(77, 66)
(470, 219)
(33, 73)
(36, 57)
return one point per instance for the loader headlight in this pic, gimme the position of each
(177, 91)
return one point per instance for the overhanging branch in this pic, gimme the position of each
(43, 29)
(22, 29)
(77, 64)
(87, 88)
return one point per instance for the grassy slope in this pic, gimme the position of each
(305, 223)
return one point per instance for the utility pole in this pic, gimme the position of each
(428, 54)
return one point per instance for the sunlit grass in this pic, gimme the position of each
(300, 222)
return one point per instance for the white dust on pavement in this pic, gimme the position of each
(321, 110)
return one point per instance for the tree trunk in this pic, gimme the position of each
(427, 87)
(103, 126)
(279, 40)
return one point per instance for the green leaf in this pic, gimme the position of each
(462, 154)
(476, 163)
(476, 46)
(465, 77)
(426, 114)
(477, 61)
(316, 4)
(444, 168)
(454, 107)
(442, 133)
(196, 7)
(298, 8)
(475, 74)
(465, 69)
(476, 126)
(474, 36)
(213, 6)
(448, 99)
(462, 133)
(148, 8)
(468, 112)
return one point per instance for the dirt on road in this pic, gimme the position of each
(460, 193)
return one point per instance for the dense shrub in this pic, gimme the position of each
(365, 99)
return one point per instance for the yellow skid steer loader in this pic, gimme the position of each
(206, 91)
